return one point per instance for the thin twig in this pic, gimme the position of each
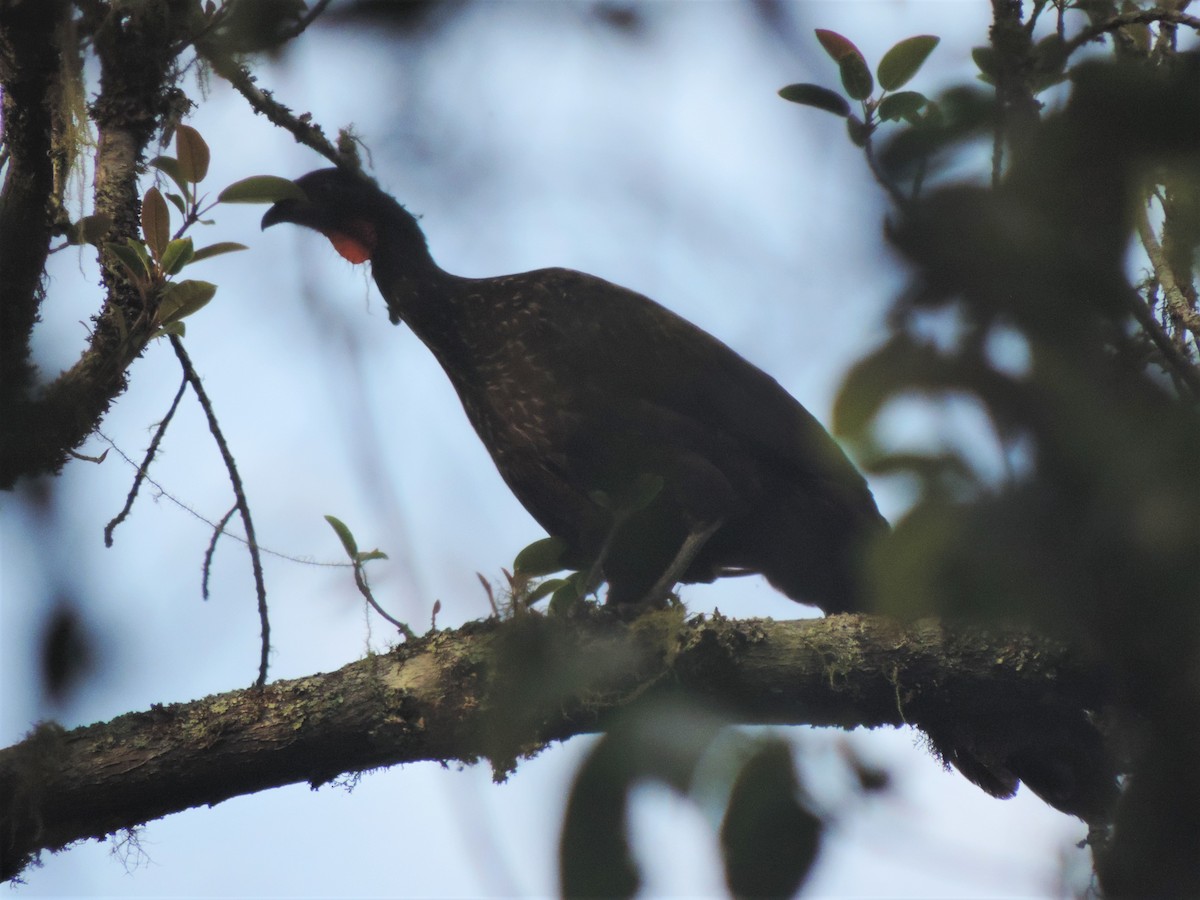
(1038, 6)
(240, 495)
(1142, 17)
(151, 452)
(218, 530)
(901, 201)
(360, 581)
(163, 492)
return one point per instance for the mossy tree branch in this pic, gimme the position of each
(500, 691)
(137, 48)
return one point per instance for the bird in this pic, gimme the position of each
(652, 451)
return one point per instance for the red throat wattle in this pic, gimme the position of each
(356, 243)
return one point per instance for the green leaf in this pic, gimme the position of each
(987, 61)
(140, 249)
(182, 298)
(836, 45)
(348, 543)
(179, 329)
(192, 152)
(944, 473)
(369, 555)
(261, 189)
(769, 839)
(567, 597)
(541, 558)
(900, 366)
(136, 263)
(595, 856)
(217, 249)
(1051, 54)
(816, 96)
(170, 167)
(856, 75)
(178, 254)
(179, 202)
(156, 222)
(903, 61)
(1097, 11)
(903, 105)
(89, 230)
(661, 741)
(1039, 83)
(858, 131)
(544, 589)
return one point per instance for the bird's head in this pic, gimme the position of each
(347, 208)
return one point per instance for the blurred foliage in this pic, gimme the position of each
(1058, 298)
(1026, 303)
(769, 831)
(66, 651)
(1099, 513)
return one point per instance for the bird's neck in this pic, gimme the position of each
(413, 285)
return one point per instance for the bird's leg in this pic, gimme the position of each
(692, 544)
(595, 576)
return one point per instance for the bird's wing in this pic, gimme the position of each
(652, 358)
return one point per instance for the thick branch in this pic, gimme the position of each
(503, 690)
(29, 64)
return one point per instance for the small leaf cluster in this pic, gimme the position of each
(350, 544)
(1047, 66)
(358, 560)
(895, 70)
(152, 263)
(545, 557)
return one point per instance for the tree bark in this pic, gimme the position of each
(137, 49)
(503, 690)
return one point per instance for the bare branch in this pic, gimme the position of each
(206, 568)
(260, 587)
(151, 452)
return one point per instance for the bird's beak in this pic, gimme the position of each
(291, 209)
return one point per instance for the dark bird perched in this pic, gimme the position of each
(582, 391)
(585, 392)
